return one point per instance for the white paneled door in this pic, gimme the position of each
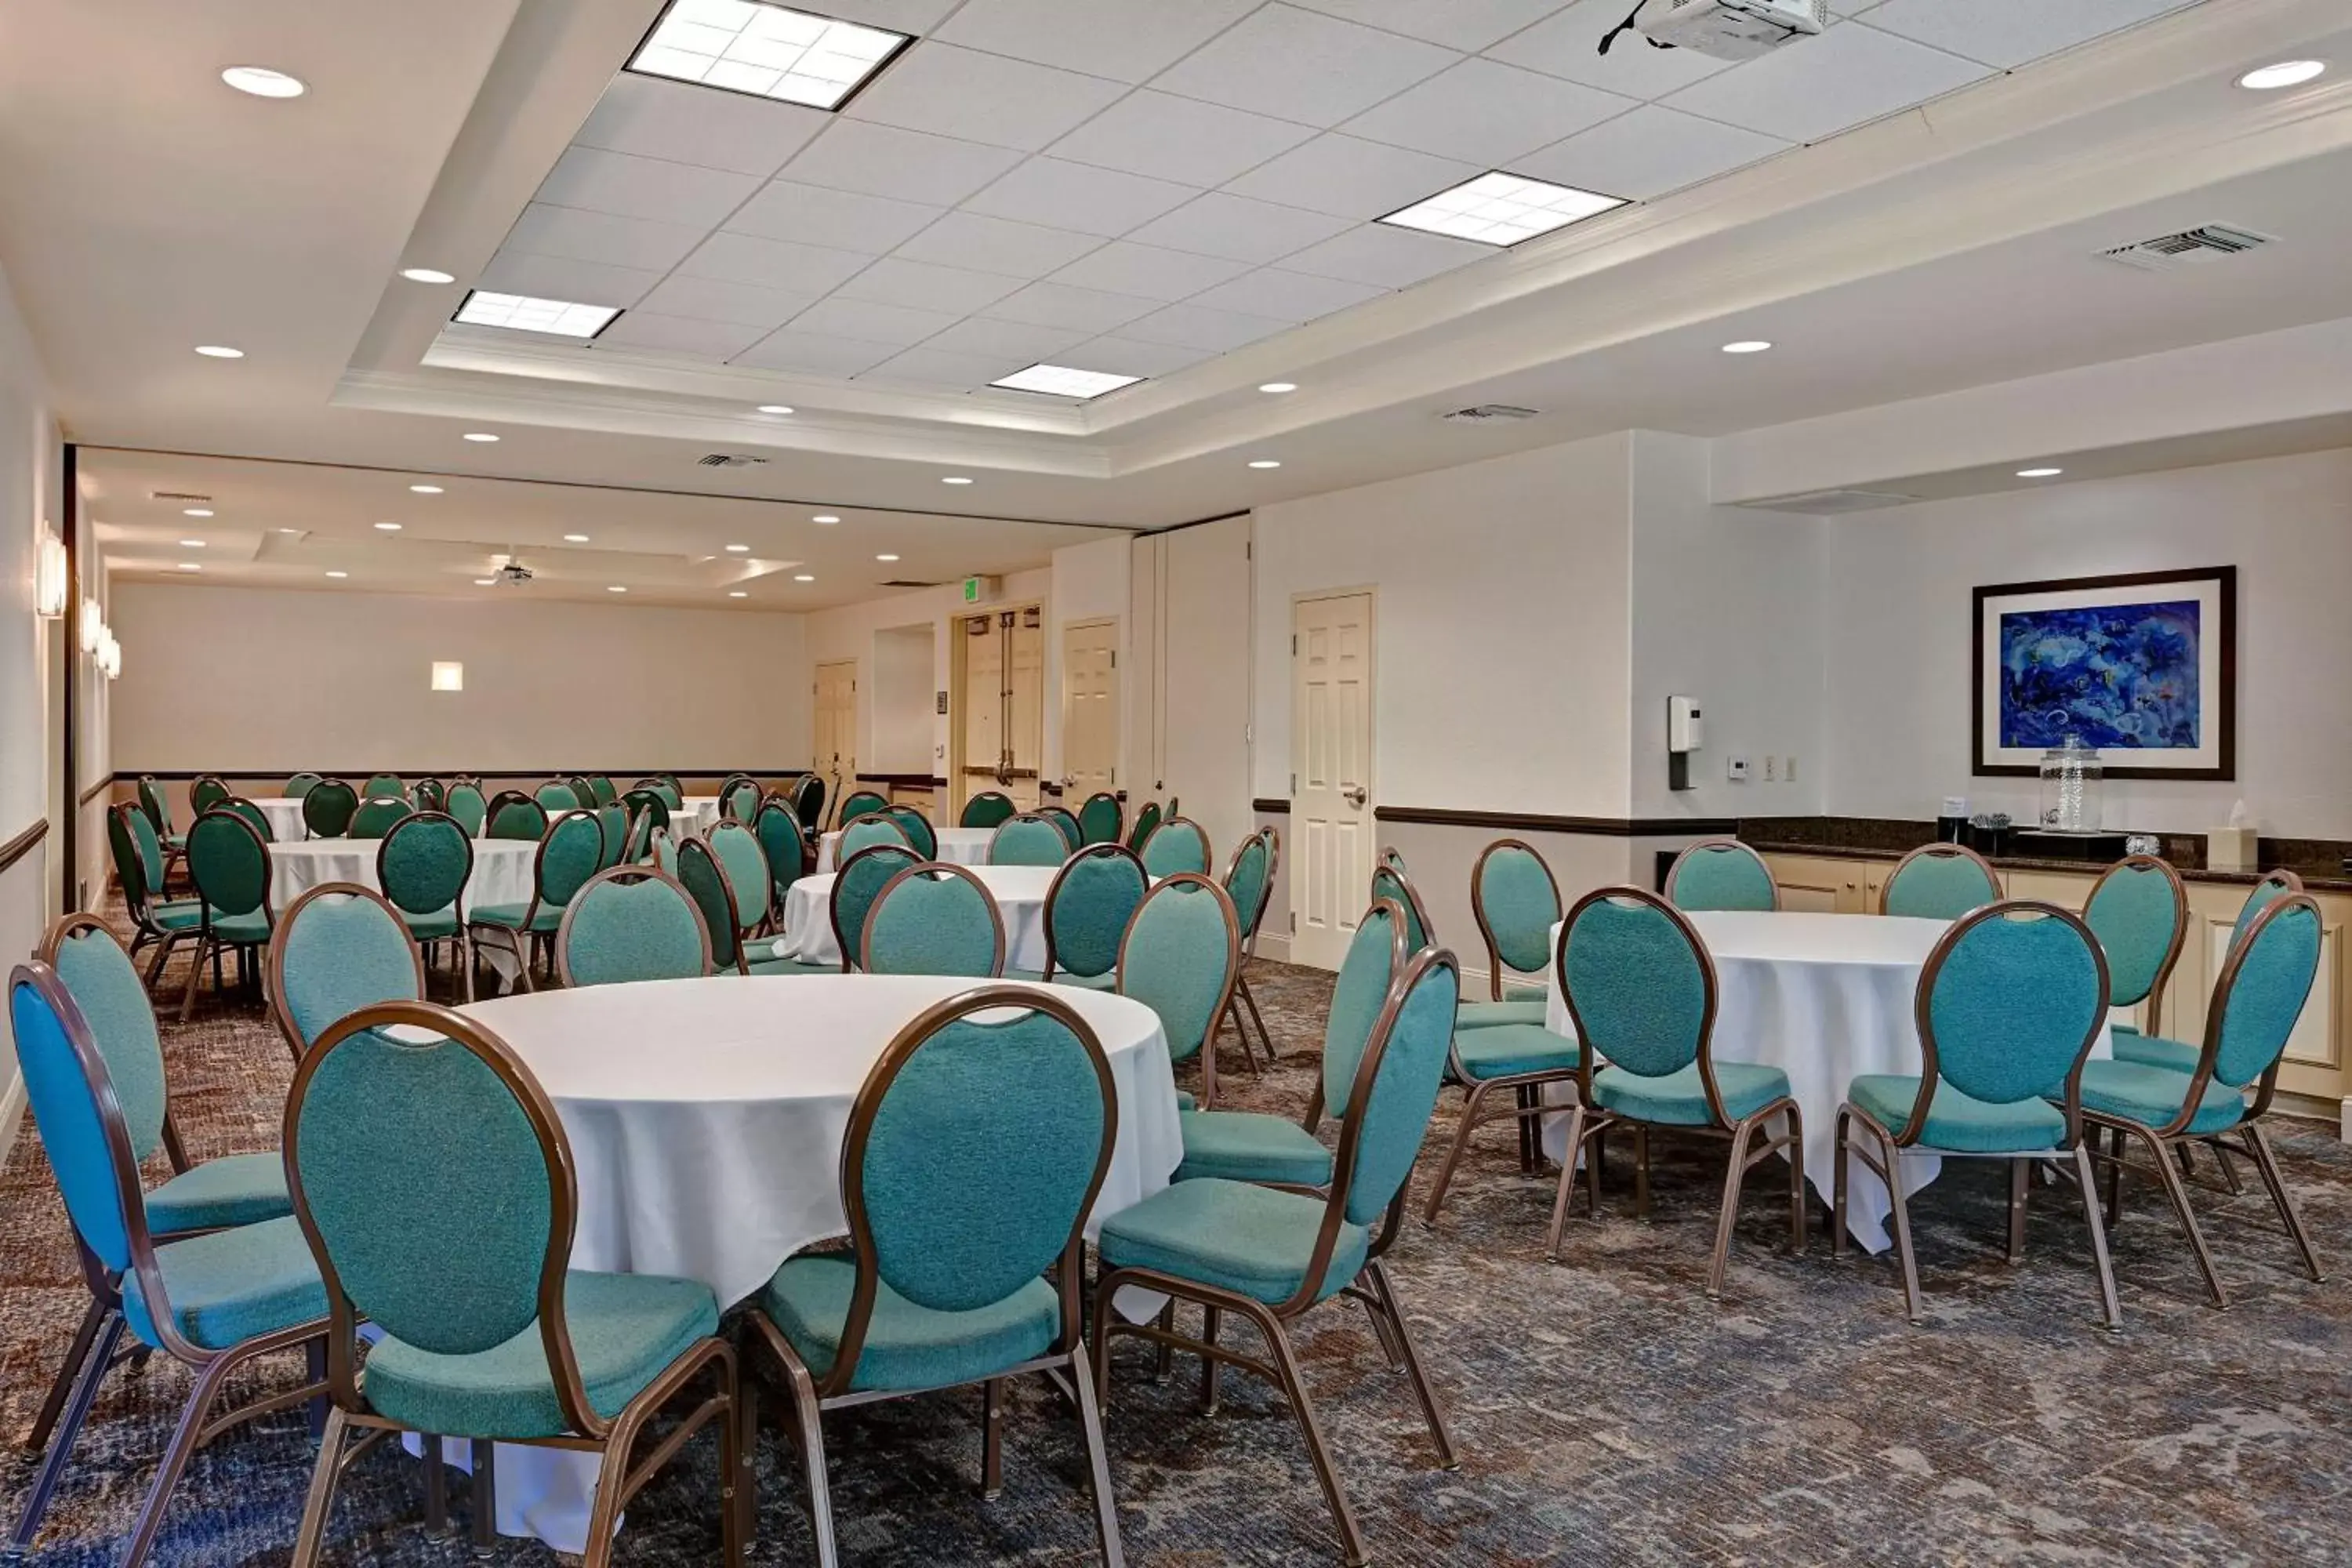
(1001, 723)
(1330, 788)
(1090, 710)
(836, 723)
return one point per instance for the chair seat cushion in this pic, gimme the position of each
(508, 917)
(1679, 1099)
(1184, 1100)
(625, 1328)
(792, 966)
(1106, 981)
(431, 927)
(1508, 1050)
(1955, 1121)
(2155, 1051)
(1246, 1147)
(1527, 1007)
(2153, 1096)
(230, 1285)
(180, 915)
(249, 928)
(241, 1189)
(907, 1346)
(1235, 1235)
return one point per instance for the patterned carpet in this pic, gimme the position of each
(1606, 1411)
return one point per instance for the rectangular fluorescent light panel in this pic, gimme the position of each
(1502, 209)
(1063, 381)
(767, 50)
(523, 314)
(448, 677)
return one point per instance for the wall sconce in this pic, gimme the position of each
(50, 584)
(93, 625)
(448, 677)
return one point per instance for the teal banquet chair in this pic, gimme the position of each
(137, 856)
(430, 795)
(327, 809)
(1270, 1256)
(486, 1333)
(865, 832)
(1180, 956)
(629, 923)
(159, 813)
(556, 796)
(1026, 840)
(1101, 818)
(933, 919)
(514, 815)
(1515, 902)
(920, 837)
(1073, 835)
(739, 799)
(613, 817)
(215, 1300)
(339, 948)
(693, 866)
(423, 867)
(861, 803)
(808, 799)
(302, 785)
(989, 808)
(229, 862)
(1087, 908)
(856, 886)
(1390, 882)
(466, 803)
(784, 842)
(1721, 874)
(1147, 823)
(1939, 882)
(745, 866)
(2009, 1005)
(376, 814)
(385, 784)
(1249, 883)
(974, 1153)
(207, 790)
(649, 804)
(2256, 1004)
(600, 787)
(568, 856)
(1642, 992)
(2139, 911)
(250, 812)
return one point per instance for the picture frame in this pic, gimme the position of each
(2142, 664)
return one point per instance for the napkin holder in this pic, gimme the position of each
(2232, 849)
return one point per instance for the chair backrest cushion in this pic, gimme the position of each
(105, 984)
(778, 829)
(2260, 898)
(385, 783)
(517, 816)
(855, 887)
(337, 953)
(1180, 845)
(1147, 823)
(633, 926)
(1939, 887)
(987, 809)
(1100, 818)
(933, 921)
(327, 809)
(917, 829)
(1394, 1117)
(2013, 1002)
(862, 803)
(1518, 904)
(1182, 950)
(745, 865)
(1246, 881)
(2278, 958)
(466, 803)
(1636, 983)
(2136, 912)
(228, 863)
(1087, 908)
(697, 871)
(1028, 841)
(1390, 882)
(1722, 876)
(573, 850)
(376, 814)
(67, 1105)
(1372, 964)
(865, 832)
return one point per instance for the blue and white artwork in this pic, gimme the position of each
(2122, 677)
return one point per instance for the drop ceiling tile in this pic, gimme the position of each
(544, 230)
(920, 285)
(911, 17)
(1456, 24)
(1078, 197)
(1484, 112)
(1389, 257)
(1212, 331)
(1022, 341)
(1648, 152)
(561, 277)
(847, 220)
(1569, 44)
(1125, 40)
(1177, 138)
(1850, 74)
(867, 322)
(1286, 295)
(1148, 271)
(1349, 178)
(773, 263)
(1238, 229)
(933, 367)
(997, 245)
(948, 91)
(688, 123)
(1303, 66)
(1124, 356)
(742, 304)
(679, 334)
(883, 161)
(794, 350)
(645, 187)
(1059, 305)
(2010, 33)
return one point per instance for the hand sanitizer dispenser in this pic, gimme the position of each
(1683, 732)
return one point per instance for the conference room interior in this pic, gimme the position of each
(1264, 781)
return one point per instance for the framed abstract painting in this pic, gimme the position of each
(2143, 666)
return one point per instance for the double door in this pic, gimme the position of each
(1002, 725)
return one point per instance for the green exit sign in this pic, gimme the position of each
(980, 590)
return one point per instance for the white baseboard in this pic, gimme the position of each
(1274, 949)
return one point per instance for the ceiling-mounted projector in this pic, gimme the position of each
(1727, 29)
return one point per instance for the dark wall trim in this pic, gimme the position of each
(904, 781)
(69, 879)
(1196, 522)
(94, 791)
(16, 849)
(163, 775)
(1270, 808)
(1534, 822)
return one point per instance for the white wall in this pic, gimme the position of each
(1203, 579)
(1899, 620)
(255, 680)
(906, 703)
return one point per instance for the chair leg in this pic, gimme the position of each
(2115, 1175)
(321, 1498)
(1841, 1152)
(1249, 1000)
(811, 1431)
(1212, 1321)
(1294, 1387)
(2228, 1167)
(436, 1485)
(1462, 1132)
(195, 975)
(467, 959)
(1082, 1385)
(176, 1458)
(1729, 1214)
(2020, 1172)
(2083, 1174)
(991, 1440)
(2266, 1166)
(485, 1510)
(69, 1376)
(1379, 1275)
(1641, 1173)
(2178, 1190)
(1795, 1155)
(1249, 1051)
(1899, 1209)
(1566, 1182)
(97, 1354)
(1164, 1365)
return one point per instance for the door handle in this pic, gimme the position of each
(1355, 795)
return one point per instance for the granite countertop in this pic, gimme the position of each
(2319, 862)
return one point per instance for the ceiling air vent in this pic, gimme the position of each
(730, 460)
(902, 582)
(1486, 411)
(2190, 247)
(1831, 503)
(188, 497)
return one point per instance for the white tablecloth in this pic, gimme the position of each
(502, 868)
(285, 816)
(706, 1120)
(1824, 998)
(1019, 891)
(958, 847)
(693, 814)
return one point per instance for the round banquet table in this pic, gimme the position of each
(1824, 998)
(284, 815)
(706, 1120)
(1019, 891)
(502, 868)
(693, 814)
(958, 847)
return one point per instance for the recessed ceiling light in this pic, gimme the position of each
(955, 480)
(263, 82)
(289, 531)
(739, 550)
(192, 544)
(826, 518)
(1265, 463)
(480, 436)
(427, 275)
(2039, 473)
(885, 558)
(575, 539)
(1746, 346)
(1502, 209)
(737, 594)
(197, 511)
(774, 408)
(529, 313)
(338, 574)
(2286, 73)
(387, 528)
(190, 566)
(1279, 386)
(616, 588)
(486, 582)
(219, 350)
(425, 489)
(1061, 381)
(765, 49)
(803, 577)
